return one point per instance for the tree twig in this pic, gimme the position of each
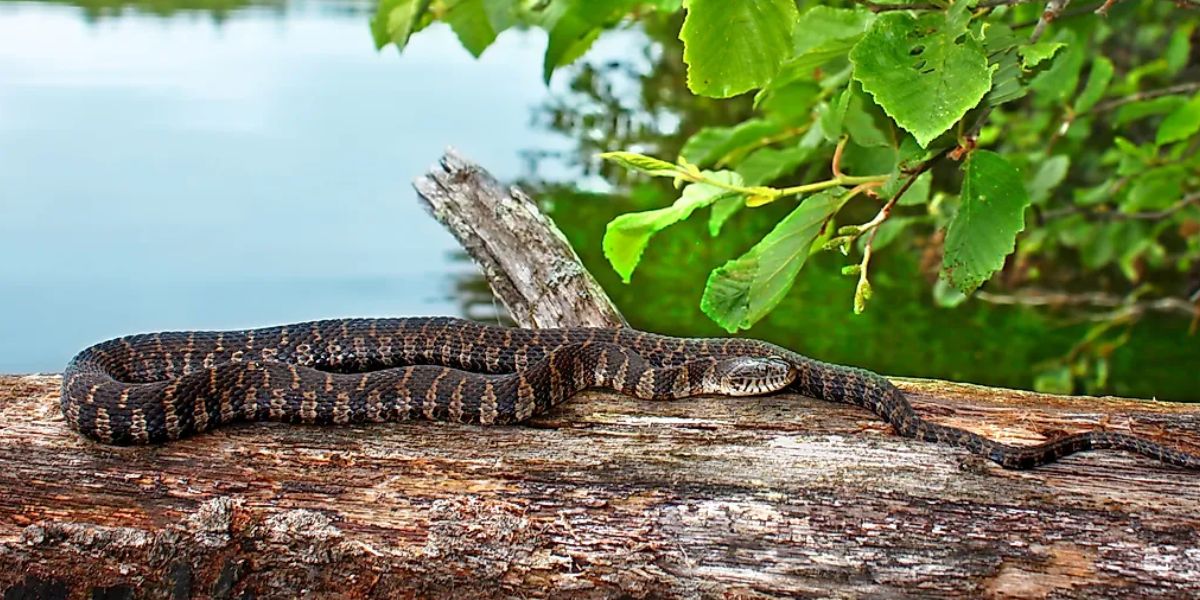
(1053, 9)
(1181, 88)
(879, 7)
(1113, 215)
(1125, 306)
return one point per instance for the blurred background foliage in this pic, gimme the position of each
(1099, 118)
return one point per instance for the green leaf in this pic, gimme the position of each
(945, 296)
(1155, 189)
(918, 192)
(733, 47)
(712, 144)
(768, 164)
(627, 235)
(926, 75)
(1033, 54)
(470, 22)
(573, 25)
(501, 14)
(744, 290)
(863, 120)
(1006, 80)
(985, 229)
(1097, 83)
(1000, 44)
(832, 115)
(1147, 108)
(642, 163)
(1181, 124)
(789, 104)
(722, 210)
(396, 20)
(1050, 173)
(1179, 48)
(1056, 84)
(821, 24)
(823, 34)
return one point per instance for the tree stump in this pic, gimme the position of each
(605, 496)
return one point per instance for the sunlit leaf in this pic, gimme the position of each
(396, 20)
(1034, 54)
(1181, 124)
(924, 73)
(744, 290)
(985, 228)
(627, 235)
(642, 163)
(731, 47)
(470, 22)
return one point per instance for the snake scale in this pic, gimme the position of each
(152, 388)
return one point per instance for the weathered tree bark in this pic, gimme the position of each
(527, 261)
(605, 496)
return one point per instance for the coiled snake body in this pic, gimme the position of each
(152, 388)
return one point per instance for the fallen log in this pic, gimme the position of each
(605, 496)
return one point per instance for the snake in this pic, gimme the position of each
(159, 387)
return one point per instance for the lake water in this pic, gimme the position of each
(187, 172)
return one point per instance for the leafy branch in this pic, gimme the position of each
(754, 195)
(891, 91)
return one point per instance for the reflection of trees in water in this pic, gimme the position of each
(638, 101)
(218, 10)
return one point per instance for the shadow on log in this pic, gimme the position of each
(605, 496)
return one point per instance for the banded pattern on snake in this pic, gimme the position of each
(152, 388)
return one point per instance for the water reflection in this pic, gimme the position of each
(180, 173)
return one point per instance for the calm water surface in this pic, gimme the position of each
(187, 172)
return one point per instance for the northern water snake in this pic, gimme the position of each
(151, 388)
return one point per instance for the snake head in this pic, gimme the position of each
(751, 376)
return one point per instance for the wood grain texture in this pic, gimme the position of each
(526, 260)
(603, 497)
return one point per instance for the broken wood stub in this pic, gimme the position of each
(525, 258)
